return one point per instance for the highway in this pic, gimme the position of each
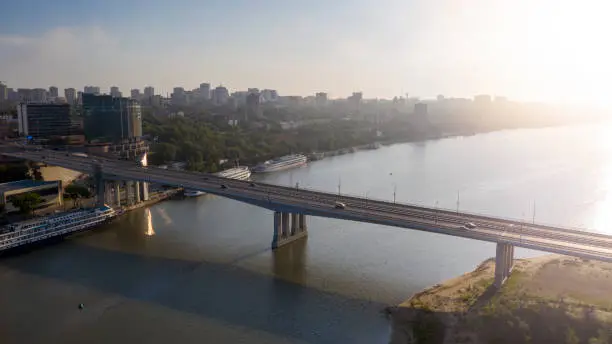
(317, 203)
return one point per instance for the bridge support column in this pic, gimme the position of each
(100, 192)
(288, 227)
(128, 192)
(137, 191)
(504, 258)
(108, 193)
(117, 194)
(145, 191)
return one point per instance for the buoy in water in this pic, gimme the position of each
(81, 306)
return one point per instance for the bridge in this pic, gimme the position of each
(291, 205)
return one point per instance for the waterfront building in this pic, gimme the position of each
(111, 119)
(45, 122)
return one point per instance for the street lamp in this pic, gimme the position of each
(366, 198)
(339, 184)
(457, 202)
(394, 192)
(436, 211)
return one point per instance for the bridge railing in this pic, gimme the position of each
(442, 210)
(469, 215)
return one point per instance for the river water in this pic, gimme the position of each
(201, 270)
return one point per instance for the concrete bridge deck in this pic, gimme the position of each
(288, 200)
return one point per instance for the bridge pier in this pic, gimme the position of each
(288, 227)
(504, 258)
(128, 193)
(137, 191)
(108, 197)
(145, 191)
(118, 194)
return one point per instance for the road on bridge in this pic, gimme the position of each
(534, 236)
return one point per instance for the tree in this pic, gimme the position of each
(26, 202)
(76, 192)
(13, 172)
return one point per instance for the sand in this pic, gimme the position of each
(549, 299)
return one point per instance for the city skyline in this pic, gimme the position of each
(529, 51)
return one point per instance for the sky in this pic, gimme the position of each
(531, 50)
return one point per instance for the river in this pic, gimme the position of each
(201, 270)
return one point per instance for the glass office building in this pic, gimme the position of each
(111, 119)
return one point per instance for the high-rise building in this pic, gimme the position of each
(114, 91)
(70, 95)
(3, 92)
(53, 92)
(356, 98)
(321, 98)
(221, 95)
(135, 94)
(253, 109)
(205, 91)
(149, 92)
(111, 119)
(12, 94)
(45, 122)
(178, 96)
(269, 95)
(482, 99)
(91, 90)
(24, 95)
(39, 95)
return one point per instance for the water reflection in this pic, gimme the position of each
(150, 231)
(289, 262)
(133, 225)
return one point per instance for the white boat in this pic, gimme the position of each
(282, 163)
(194, 193)
(239, 172)
(26, 232)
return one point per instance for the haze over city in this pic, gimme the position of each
(540, 50)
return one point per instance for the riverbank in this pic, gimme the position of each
(548, 299)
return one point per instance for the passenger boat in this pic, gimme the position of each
(26, 232)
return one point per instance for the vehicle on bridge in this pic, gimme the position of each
(468, 225)
(340, 205)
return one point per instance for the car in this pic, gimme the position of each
(223, 186)
(463, 228)
(252, 184)
(470, 225)
(340, 205)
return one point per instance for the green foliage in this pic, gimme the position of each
(13, 172)
(202, 140)
(78, 190)
(26, 202)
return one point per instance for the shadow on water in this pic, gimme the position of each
(217, 291)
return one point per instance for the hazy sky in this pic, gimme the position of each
(524, 49)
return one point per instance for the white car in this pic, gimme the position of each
(340, 205)
(470, 225)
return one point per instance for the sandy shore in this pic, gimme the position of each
(549, 299)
